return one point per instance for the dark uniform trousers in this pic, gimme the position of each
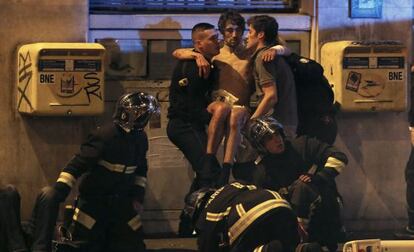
(241, 218)
(113, 166)
(107, 224)
(320, 205)
(191, 139)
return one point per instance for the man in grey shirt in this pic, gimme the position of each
(275, 87)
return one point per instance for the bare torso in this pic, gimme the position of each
(233, 72)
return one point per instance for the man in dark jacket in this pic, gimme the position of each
(303, 170)
(188, 116)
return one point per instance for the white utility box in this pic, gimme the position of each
(58, 79)
(367, 75)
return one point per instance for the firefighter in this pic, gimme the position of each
(303, 170)
(107, 216)
(241, 217)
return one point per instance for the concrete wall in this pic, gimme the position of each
(34, 149)
(377, 144)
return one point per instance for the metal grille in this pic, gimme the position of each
(118, 6)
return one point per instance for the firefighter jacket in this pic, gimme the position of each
(113, 162)
(189, 94)
(302, 155)
(240, 217)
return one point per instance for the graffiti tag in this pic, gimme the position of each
(93, 86)
(25, 74)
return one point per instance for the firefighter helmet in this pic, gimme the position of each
(196, 201)
(133, 110)
(261, 129)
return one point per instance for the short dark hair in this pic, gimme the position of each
(268, 25)
(199, 28)
(234, 17)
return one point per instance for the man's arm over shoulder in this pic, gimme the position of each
(184, 53)
(274, 51)
(189, 54)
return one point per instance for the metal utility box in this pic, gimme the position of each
(58, 79)
(377, 245)
(367, 75)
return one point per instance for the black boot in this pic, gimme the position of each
(209, 172)
(408, 232)
(185, 227)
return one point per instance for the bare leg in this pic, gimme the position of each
(236, 121)
(238, 118)
(220, 112)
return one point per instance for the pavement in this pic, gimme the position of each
(171, 244)
(174, 244)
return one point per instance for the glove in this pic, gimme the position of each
(318, 179)
(325, 176)
(61, 191)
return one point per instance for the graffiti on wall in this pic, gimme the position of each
(69, 88)
(25, 75)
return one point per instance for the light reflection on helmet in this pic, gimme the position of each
(261, 129)
(133, 110)
(196, 202)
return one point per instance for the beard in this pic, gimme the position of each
(232, 42)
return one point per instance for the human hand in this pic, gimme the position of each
(306, 178)
(269, 55)
(203, 65)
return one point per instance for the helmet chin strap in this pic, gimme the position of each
(127, 130)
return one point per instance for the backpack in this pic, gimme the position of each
(313, 91)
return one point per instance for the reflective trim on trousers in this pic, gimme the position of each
(135, 222)
(83, 218)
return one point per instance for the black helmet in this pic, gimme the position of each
(196, 201)
(133, 110)
(261, 128)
